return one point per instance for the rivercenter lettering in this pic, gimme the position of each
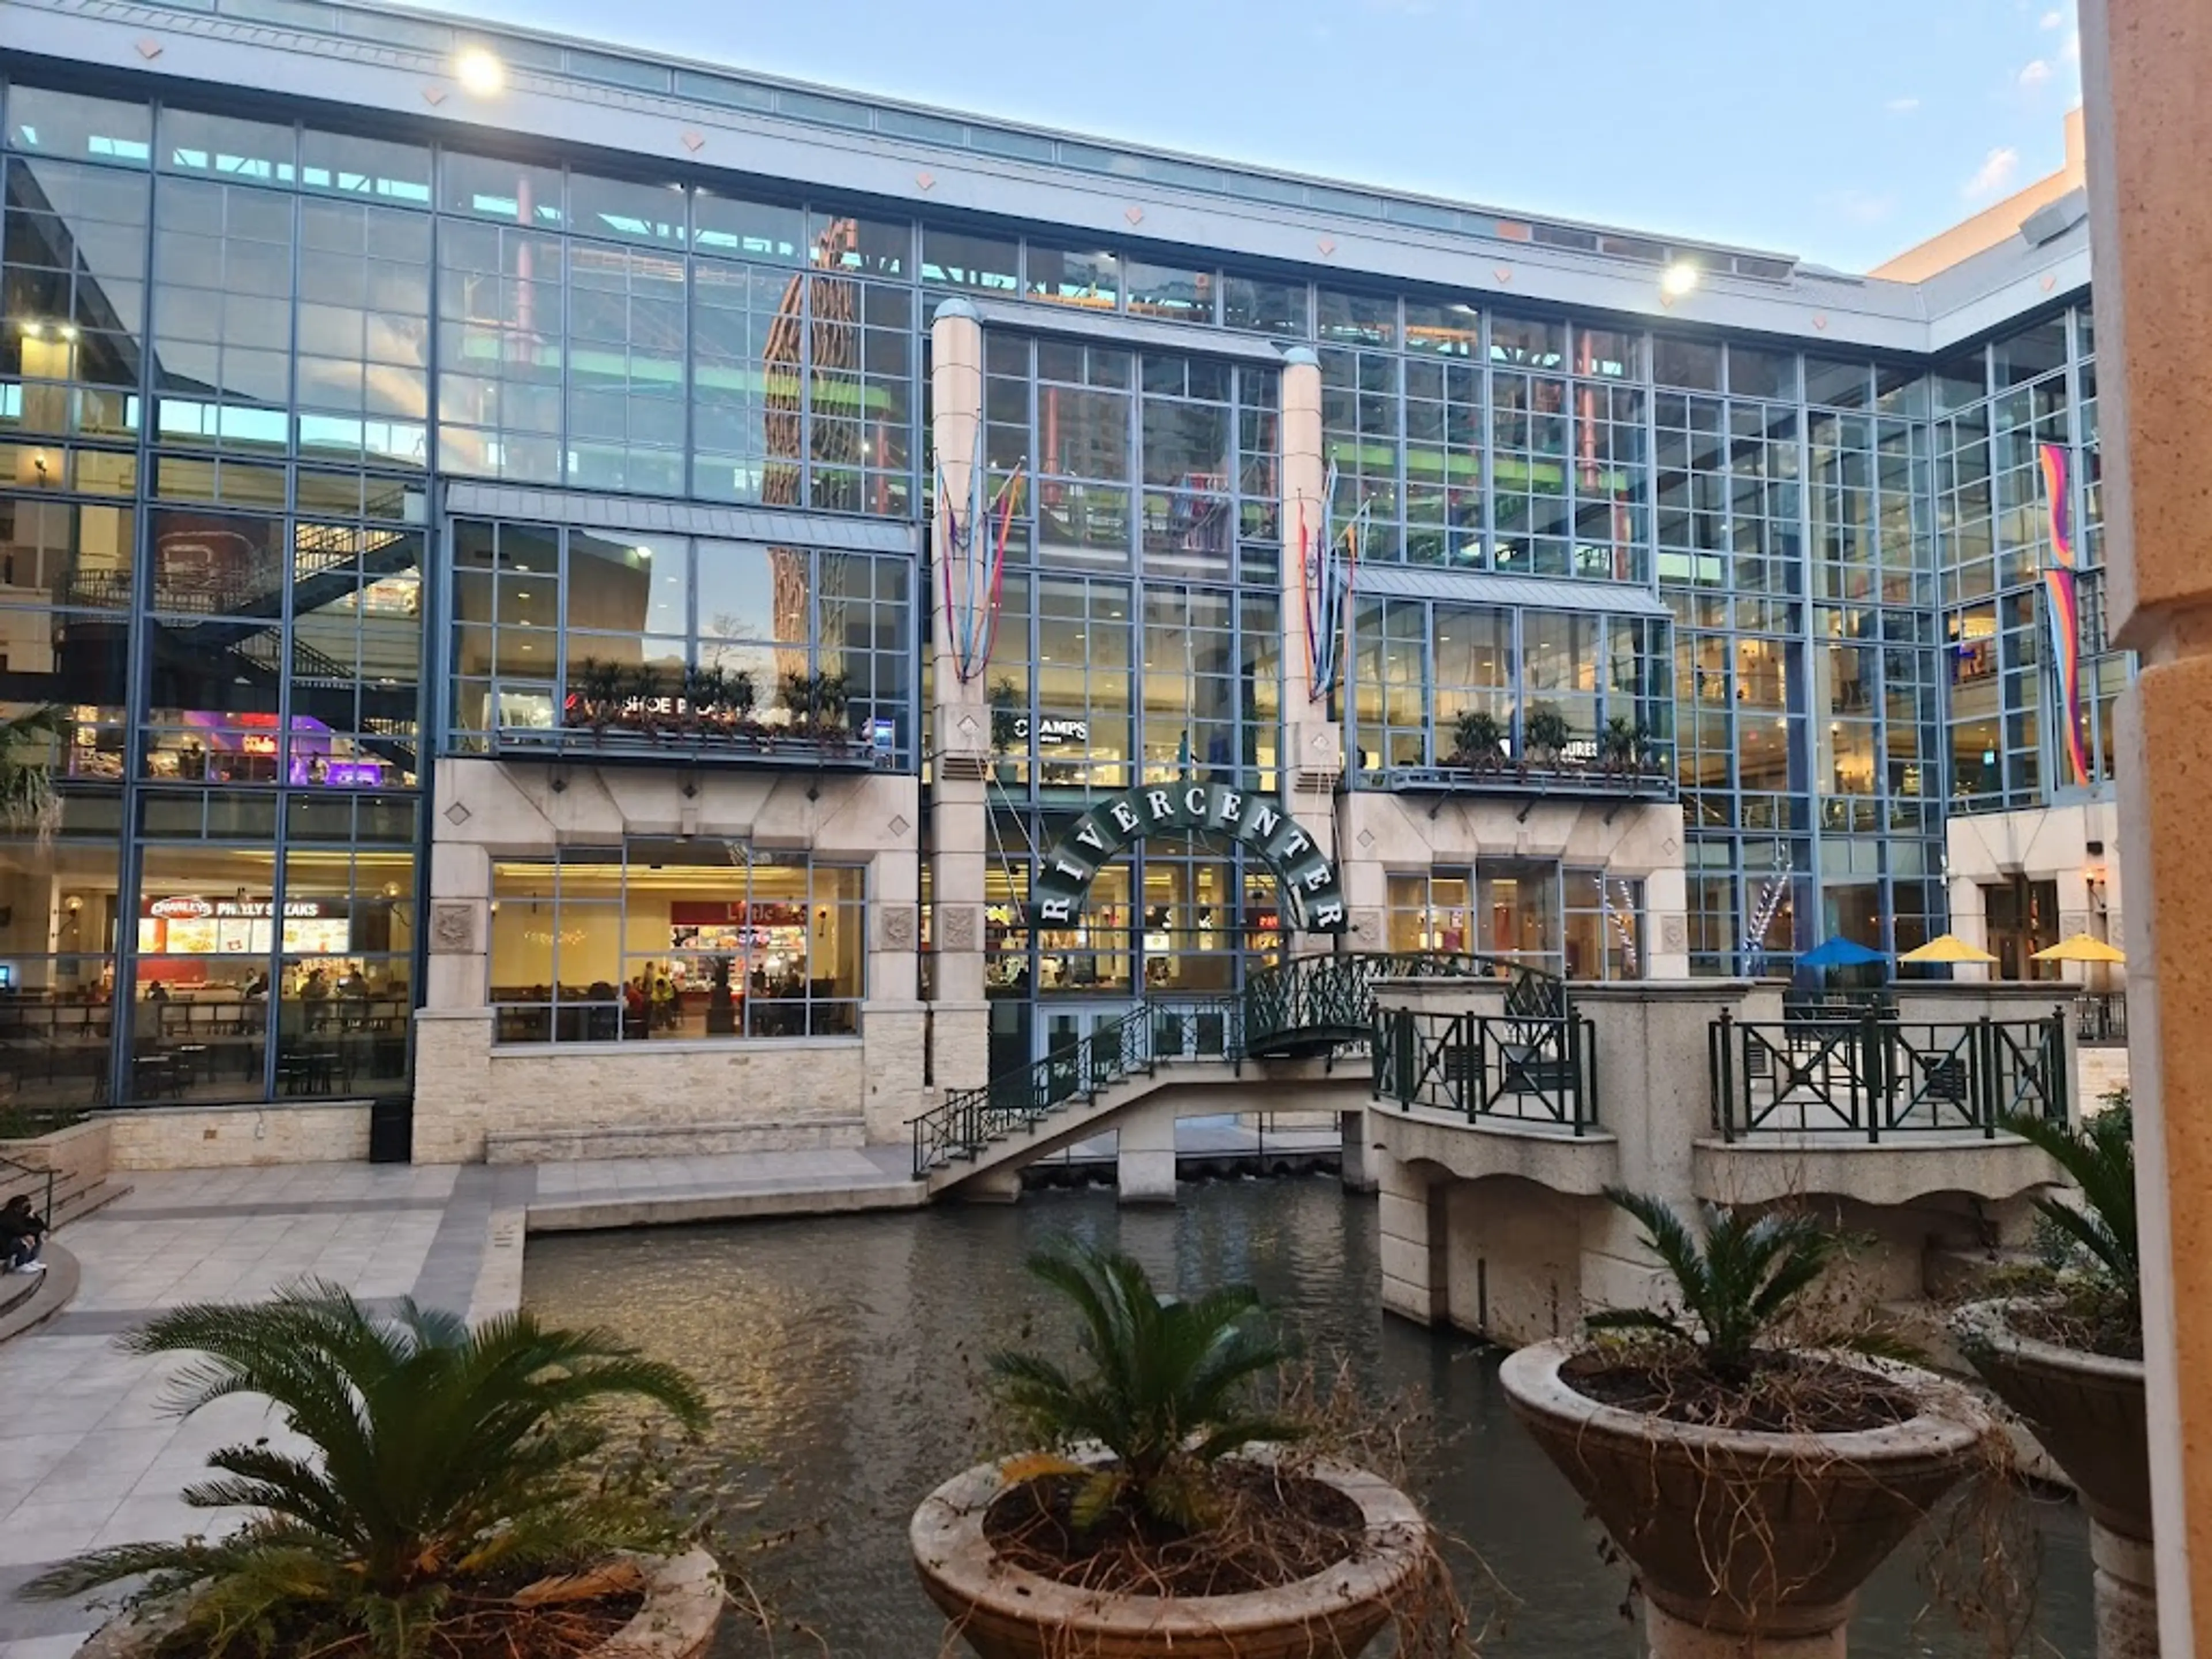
(1312, 897)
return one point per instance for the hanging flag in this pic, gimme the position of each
(2062, 605)
(972, 556)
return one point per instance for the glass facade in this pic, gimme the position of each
(243, 361)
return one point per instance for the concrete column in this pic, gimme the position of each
(1669, 1638)
(959, 724)
(2126, 1595)
(1416, 1232)
(1145, 1155)
(1312, 743)
(1355, 1155)
(2145, 65)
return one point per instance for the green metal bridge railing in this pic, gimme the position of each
(1308, 1006)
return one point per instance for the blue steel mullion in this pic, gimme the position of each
(138, 678)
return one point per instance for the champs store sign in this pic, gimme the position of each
(1312, 897)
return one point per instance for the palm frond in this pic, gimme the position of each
(1164, 1380)
(438, 1451)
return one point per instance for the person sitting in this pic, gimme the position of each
(21, 1231)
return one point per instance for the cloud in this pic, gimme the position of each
(2035, 74)
(1902, 106)
(2071, 52)
(2052, 19)
(1994, 172)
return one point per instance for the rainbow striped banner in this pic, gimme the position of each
(2064, 607)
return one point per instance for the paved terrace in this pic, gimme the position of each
(88, 1457)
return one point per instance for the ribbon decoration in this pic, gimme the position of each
(971, 612)
(1328, 568)
(1776, 889)
(2063, 606)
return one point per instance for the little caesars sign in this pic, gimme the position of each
(1312, 897)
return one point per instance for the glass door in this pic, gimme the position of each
(1081, 1045)
(1520, 911)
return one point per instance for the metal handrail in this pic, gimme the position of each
(1329, 998)
(47, 1211)
(1879, 1076)
(1487, 1066)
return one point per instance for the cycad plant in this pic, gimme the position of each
(442, 1456)
(1737, 1288)
(2100, 1156)
(27, 799)
(1545, 734)
(1165, 1389)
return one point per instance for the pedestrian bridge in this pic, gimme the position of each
(1285, 1038)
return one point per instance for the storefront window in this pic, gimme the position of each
(676, 940)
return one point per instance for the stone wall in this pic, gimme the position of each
(219, 1136)
(655, 1099)
(588, 1100)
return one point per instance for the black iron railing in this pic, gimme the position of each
(2101, 1018)
(1875, 1076)
(1321, 1003)
(1535, 1068)
(1324, 998)
(1184, 1027)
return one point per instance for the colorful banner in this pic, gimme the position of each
(2064, 607)
(1328, 567)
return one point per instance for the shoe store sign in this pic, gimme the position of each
(1312, 897)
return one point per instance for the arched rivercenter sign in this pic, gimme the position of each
(1312, 897)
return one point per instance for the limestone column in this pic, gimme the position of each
(2145, 66)
(1145, 1153)
(1312, 743)
(959, 723)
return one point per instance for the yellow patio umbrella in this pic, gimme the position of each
(2082, 947)
(1948, 947)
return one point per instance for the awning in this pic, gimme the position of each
(1110, 328)
(638, 516)
(1418, 581)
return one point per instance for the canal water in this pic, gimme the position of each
(843, 1357)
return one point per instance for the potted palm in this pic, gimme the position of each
(1754, 1470)
(2064, 1349)
(1477, 736)
(450, 1495)
(1163, 1515)
(1545, 734)
(1621, 745)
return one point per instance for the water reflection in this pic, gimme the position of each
(842, 1356)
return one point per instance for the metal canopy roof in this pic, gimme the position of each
(1488, 588)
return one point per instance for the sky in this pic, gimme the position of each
(1842, 133)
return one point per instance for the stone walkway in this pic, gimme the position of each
(89, 1457)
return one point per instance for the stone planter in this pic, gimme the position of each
(1742, 1540)
(1006, 1612)
(2087, 1410)
(683, 1605)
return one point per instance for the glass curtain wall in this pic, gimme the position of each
(215, 390)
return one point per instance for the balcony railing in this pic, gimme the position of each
(1487, 1068)
(1644, 780)
(2102, 1020)
(1880, 1077)
(680, 739)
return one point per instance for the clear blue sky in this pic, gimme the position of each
(1842, 131)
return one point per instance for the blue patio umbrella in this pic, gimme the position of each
(1838, 952)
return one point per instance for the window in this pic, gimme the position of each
(584, 638)
(676, 940)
